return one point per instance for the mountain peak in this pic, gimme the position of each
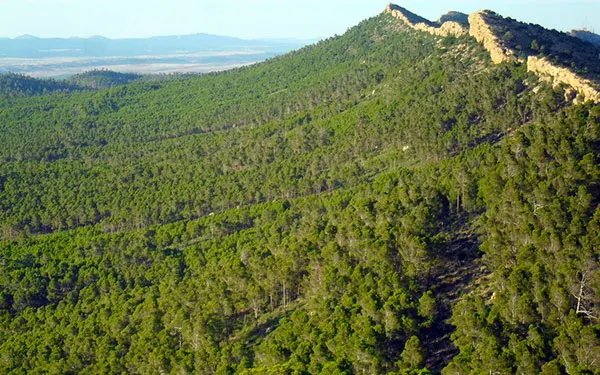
(453, 16)
(408, 15)
(384, 201)
(26, 36)
(482, 26)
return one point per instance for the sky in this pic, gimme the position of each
(251, 19)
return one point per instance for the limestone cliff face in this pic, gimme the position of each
(586, 89)
(482, 30)
(452, 28)
(449, 28)
(479, 25)
(485, 26)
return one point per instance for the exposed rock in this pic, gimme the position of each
(407, 16)
(571, 95)
(481, 28)
(586, 89)
(450, 28)
(503, 37)
(447, 29)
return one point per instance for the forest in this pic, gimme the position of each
(381, 202)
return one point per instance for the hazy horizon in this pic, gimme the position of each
(265, 27)
(260, 19)
(33, 36)
(200, 53)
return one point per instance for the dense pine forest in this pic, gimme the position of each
(382, 202)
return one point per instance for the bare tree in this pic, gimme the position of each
(584, 292)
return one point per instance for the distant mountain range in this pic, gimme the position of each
(162, 54)
(29, 46)
(586, 35)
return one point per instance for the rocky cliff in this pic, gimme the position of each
(586, 89)
(448, 28)
(481, 27)
(553, 56)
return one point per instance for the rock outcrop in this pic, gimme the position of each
(484, 26)
(449, 28)
(481, 28)
(542, 67)
(489, 29)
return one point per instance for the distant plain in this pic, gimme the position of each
(200, 53)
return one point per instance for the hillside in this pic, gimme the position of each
(392, 200)
(18, 85)
(102, 79)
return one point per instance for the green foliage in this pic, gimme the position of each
(541, 225)
(102, 79)
(19, 85)
(428, 308)
(412, 355)
(322, 212)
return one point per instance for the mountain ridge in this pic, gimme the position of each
(484, 26)
(447, 28)
(104, 47)
(166, 36)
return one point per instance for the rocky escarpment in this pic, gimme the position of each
(508, 40)
(586, 89)
(481, 27)
(448, 28)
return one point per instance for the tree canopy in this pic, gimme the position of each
(384, 201)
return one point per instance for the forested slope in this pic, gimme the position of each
(385, 201)
(18, 85)
(102, 79)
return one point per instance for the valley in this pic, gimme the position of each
(199, 53)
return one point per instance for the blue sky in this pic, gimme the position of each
(256, 18)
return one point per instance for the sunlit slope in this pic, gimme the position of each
(386, 201)
(319, 119)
